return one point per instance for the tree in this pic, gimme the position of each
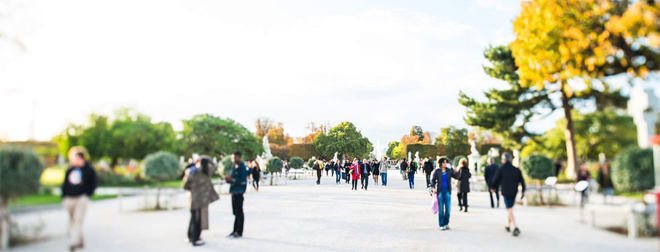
(569, 46)
(160, 167)
(538, 167)
(608, 131)
(226, 163)
(211, 135)
(274, 165)
(454, 141)
(425, 150)
(417, 131)
(633, 170)
(344, 139)
(276, 135)
(506, 112)
(263, 125)
(20, 170)
(390, 149)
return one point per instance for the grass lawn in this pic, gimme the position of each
(45, 199)
(633, 195)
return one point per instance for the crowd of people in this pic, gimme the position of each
(505, 180)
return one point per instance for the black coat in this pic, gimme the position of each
(428, 167)
(86, 180)
(464, 176)
(436, 178)
(489, 173)
(508, 177)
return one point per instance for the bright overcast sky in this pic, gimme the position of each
(383, 65)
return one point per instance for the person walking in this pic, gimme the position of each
(464, 176)
(355, 174)
(583, 175)
(238, 183)
(489, 173)
(375, 170)
(79, 184)
(337, 168)
(347, 170)
(319, 169)
(404, 167)
(605, 181)
(411, 175)
(256, 175)
(384, 165)
(441, 183)
(508, 177)
(428, 169)
(198, 181)
(365, 169)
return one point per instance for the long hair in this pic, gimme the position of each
(257, 165)
(463, 162)
(205, 163)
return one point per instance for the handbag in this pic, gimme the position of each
(434, 206)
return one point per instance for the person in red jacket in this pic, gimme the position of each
(355, 174)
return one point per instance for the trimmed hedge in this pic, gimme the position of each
(633, 170)
(20, 171)
(456, 160)
(425, 150)
(161, 166)
(304, 151)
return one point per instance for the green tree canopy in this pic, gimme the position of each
(538, 166)
(608, 131)
(417, 131)
(453, 140)
(344, 139)
(212, 135)
(161, 166)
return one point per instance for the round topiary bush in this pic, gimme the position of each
(633, 170)
(537, 166)
(274, 165)
(160, 167)
(20, 171)
(296, 162)
(456, 160)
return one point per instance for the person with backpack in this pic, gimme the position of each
(365, 169)
(404, 169)
(411, 175)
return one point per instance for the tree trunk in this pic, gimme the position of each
(569, 134)
(4, 224)
(158, 197)
(540, 192)
(113, 163)
(271, 178)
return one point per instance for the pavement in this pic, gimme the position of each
(301, 216)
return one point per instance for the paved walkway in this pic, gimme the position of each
(302, 216)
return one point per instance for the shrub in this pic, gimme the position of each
(456, 160)
(296, 162)
(20, 170)
(161, 166)
(225, 165)
(538, 166)
(274, 164)
(633, 170)
(109, 178)
(305, 151)
(310, 162)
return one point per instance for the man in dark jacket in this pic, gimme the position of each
(79, 184)
(237, 185)
(404, 169)
(508, 177)
(365, 172)
(428, 168)
(489, 173)
(441, 183)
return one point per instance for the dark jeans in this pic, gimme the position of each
(354, 184)
(318, 177)
(237, 206)
(338, 176)
(365, 181)
(497, 195)
(383, 177)
(195, 226)
(411, 181)
(444, 207)
(255, 183)
(462, 200)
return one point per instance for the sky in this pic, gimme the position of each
(382, 65)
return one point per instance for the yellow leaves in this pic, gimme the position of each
(654, 39)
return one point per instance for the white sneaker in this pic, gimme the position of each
(443, 228)
(446, 227)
